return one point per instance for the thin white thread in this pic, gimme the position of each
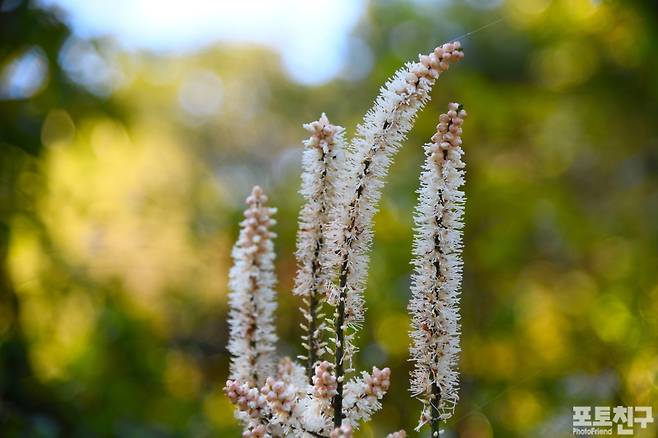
(479, 29)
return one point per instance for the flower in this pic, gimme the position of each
(344, 431)
(378, 138)
(252, 297)
(437, 276)
(341, 196)
(248, 400)
(363, 395)
(324, 382)
(323, 155)
(280, 397)
(257, 431)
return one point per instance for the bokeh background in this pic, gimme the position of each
(131, 131)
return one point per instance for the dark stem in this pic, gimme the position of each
(340, 317)
(435, 421)
(315, 301)
(315, 434)
(251, 331)
(435, 396)
(337, 400)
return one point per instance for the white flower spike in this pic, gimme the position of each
(378, 139)
(341, 187)
(323, 155)
(437, 276)
(252, 297)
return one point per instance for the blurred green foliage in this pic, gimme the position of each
(119, 206)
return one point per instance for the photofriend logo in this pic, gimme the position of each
(603, 420)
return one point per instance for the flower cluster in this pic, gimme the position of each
(378, 139)
(258, 431)
(341, 187)
(378, 382)
(323, 155)
(285, 406)
(324, 382)
(436, 281)
(363, 395)
(343, 431)
(279, 396)
(248, 400)
(252, 298)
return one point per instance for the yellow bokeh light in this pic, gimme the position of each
(526, 12)
(392, 334)
(475, 425)
(182, 376)
(625, 39)
(60, 328)
(118, 204)
(218, 408)
(58, 128)
(521, 409)
(610, 318)
(565, 64)
(543, 324)
(641, 378)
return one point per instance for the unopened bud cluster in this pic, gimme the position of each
(257, 223)
(323, 133)
(378, 382)
(344, 431)
(324, 382)
(430, 66)
(247, 399)
(363, 394)
(447, 139)
(280, 396)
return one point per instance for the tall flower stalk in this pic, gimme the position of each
(252, 297)
(378, 139)
(437, 276)
(341, 187)
(323, 156)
